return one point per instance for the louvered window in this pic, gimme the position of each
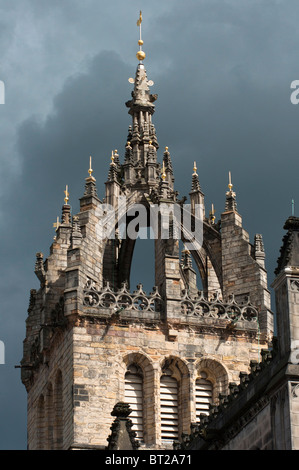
(134, 397)
(169, 407)
(203, 396)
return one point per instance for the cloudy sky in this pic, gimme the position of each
(222, 70)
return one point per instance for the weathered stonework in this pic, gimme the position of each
(87, 326)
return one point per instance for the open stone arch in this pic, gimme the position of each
(208, 258)
(118, 251)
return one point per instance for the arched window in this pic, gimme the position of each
(203, 395)
(134, 397)
(169, 406)
(211, 381)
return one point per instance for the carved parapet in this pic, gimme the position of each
(121, 299)
(199, 307)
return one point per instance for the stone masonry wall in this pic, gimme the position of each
(60, 361)
(256, 435)
(102, 353)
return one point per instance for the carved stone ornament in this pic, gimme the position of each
(295, 391)
(199, 306)
(295, 285)
(122, 299)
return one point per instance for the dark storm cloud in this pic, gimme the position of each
(222, 70)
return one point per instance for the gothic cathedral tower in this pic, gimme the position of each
(92, 341)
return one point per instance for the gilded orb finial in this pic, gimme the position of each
(66, 192)
(90, 171)
(194, 168)
(112, 157)
(212, 214)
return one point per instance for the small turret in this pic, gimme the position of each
(196, 194)
(231, 202)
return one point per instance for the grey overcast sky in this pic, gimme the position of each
(222, 71)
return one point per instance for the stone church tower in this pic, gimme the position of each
(93, 340)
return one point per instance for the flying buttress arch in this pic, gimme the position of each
(118, 254)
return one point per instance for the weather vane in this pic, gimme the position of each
(140, 54)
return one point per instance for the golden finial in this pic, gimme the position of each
(90, 171)
(140, 54)
(57, 224)
(212, 214)
(163, 172)
(112, 158)
(230, 186)
(66, 192)
(194, 168)
(166, 149)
